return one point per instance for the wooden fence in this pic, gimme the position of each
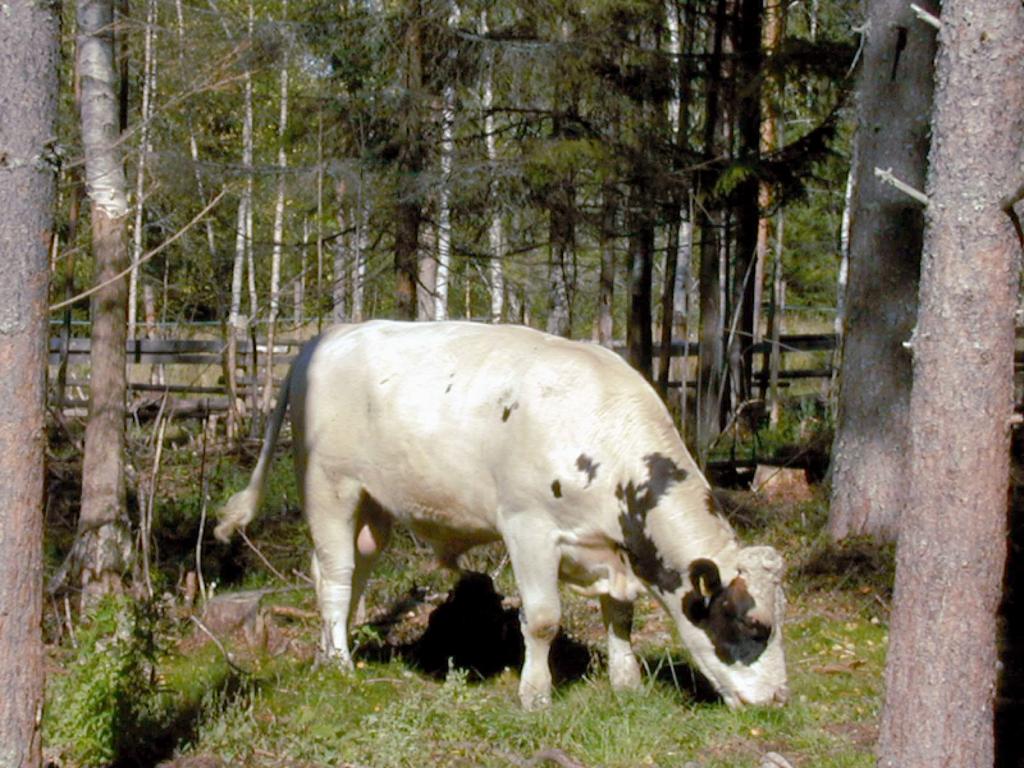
(208, 354)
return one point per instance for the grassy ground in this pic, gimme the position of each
(404, 706)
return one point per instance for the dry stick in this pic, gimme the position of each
(202, 514)
(259, 554)
(227, 656)
(147, 523)
(142, 259)
(926, 16)
(71, 624)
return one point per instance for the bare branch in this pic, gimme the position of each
(887, 178)
(926, 16)
(142, 259)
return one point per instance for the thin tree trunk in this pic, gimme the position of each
(29, 64)
(495, 232)
(606, 279)
(344, 250)
(941, 667)
(869, 454)
(278, 233)
(148, 87)
(639, 339)
(709, 382)
(361, 257)
(408, 207)
(103, 545)
(427, 277)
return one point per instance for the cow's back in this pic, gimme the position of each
(454, 423)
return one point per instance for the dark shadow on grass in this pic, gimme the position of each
(686, 680)
(149, 743)
(472, 631)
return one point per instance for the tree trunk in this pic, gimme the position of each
(495, 232)
(560, 255)
(278, 232)
(148, 87)
(711, 359)
(410, 164)
(606, 279)
(639, 339)
(28, 68)
(102, 547)
(748, 115)
(869, 455)
(941, 670)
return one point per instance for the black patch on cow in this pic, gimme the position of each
(507, 411)
(556, 489)
(588, 466)
(638, 501)
(722, 613)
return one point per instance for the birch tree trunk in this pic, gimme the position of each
(941, 668)
(103, 546)
(29, 63)
(278, 235)
(148, 87)
(444, 213)
(495, 232)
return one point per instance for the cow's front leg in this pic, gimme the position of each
(330, 510)
(534, 560)
(623, 669)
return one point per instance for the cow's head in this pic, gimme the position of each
(734, 628)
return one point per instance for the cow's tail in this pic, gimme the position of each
(242, 507)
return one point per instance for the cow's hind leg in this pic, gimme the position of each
(373, 530)
(535, 559)
(623, 669)
(331, 512)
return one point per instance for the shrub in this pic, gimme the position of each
(101, 708)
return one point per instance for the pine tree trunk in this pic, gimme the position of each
(941, 669)
(102, 548)
(29, 64)
(869, 455)
(410, 163)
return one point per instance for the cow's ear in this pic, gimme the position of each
(706, 582)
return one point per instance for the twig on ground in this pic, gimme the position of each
(220, 646)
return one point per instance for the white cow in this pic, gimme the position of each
(472, 433)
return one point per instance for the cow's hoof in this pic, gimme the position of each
(534, 700)
(333, 660)
(624, 675)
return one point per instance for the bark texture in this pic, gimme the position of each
(103, 546)
(894, 96)
(28, 103)
(941, 670)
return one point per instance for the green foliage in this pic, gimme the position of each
(100, 709)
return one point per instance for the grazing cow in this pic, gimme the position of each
(471, 433)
